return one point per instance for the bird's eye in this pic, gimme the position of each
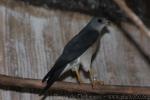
(99, 20)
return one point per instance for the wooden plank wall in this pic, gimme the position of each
(32, 38)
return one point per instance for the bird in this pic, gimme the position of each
(78, 51)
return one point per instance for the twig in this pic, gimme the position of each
(133, 17)
(9, 81)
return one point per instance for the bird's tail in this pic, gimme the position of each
(52, 76)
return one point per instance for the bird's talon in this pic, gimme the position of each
(97, 83)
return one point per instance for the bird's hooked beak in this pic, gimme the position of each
(105, 29)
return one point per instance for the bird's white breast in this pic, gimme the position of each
(84, 59)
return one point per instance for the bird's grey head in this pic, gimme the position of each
(98, 24)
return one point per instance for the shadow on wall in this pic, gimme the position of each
(131, 39)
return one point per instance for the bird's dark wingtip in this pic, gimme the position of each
(49, 81)
(46, 77)
(45, 90)
(51, 77)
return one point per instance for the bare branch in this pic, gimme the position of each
(133, 17)
(9, 81)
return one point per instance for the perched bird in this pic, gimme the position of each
(79, 50)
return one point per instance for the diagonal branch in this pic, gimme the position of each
(24, 83)
(133, 17)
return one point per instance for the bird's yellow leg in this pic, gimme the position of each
(91, 77)
(93, 80)
(78, 75)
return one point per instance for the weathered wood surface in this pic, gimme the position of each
(32, 38)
